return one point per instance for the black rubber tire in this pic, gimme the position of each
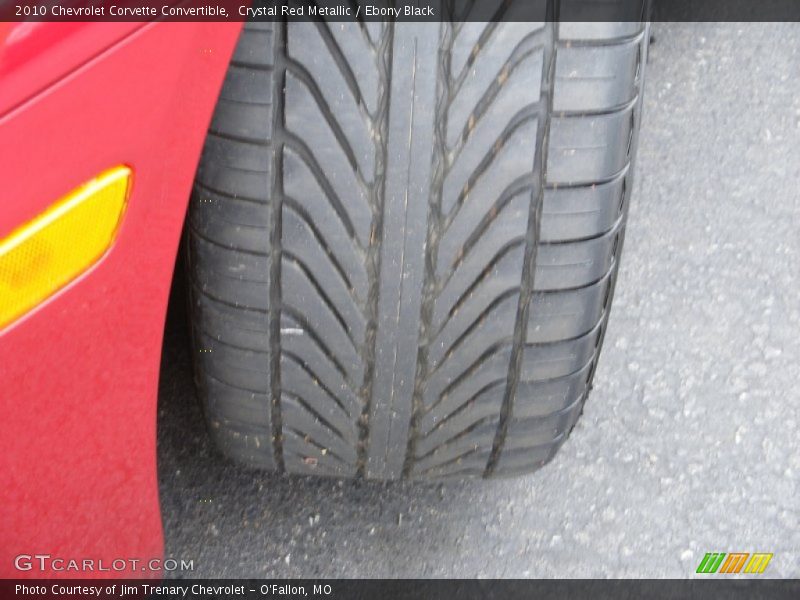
(403, 241)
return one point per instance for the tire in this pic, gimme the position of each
(403, 242)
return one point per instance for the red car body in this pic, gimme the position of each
(79, 374)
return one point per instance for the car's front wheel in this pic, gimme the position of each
(404, 238)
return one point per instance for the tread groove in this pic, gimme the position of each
(312, 333)
(373, 258)
(531, 246)
(276, 416)
(306, 78)
(433, 234)
(341, 62)
(301, 212)
(322, 294)
(301, 364)
(499, 299)
(307, 156)
(321, 419)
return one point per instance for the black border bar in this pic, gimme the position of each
(713, 587)
(400, 10)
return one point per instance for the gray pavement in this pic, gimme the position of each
(690, 441)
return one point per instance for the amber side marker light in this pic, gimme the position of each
(45, 254)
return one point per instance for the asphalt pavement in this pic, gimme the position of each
(690, 441)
